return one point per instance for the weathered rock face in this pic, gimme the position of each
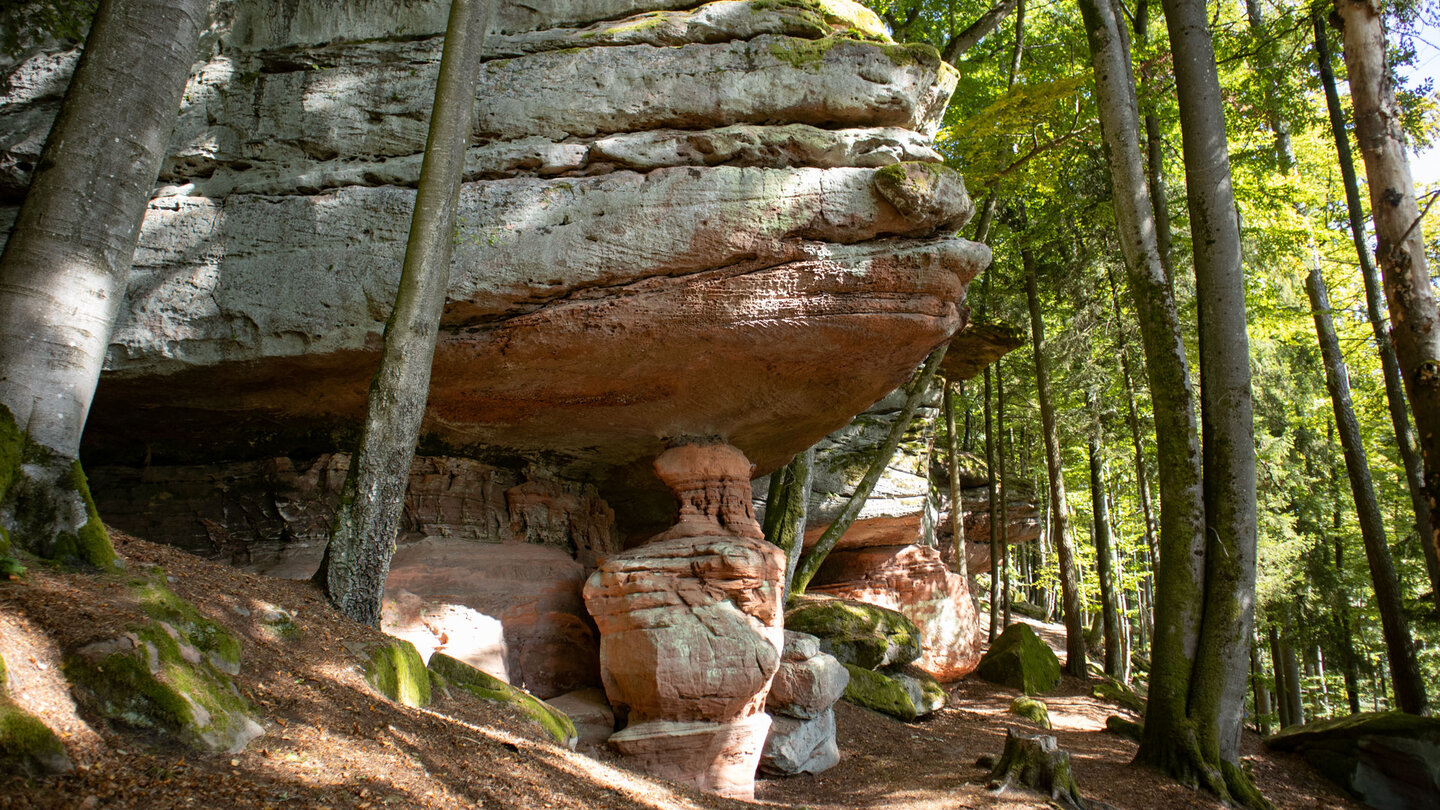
(657, 196)
(1020, 660)
(691, 628)
(1388, 760)
(801, 701)
(916, 582)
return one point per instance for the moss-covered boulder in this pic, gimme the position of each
(857, 633)
(26, 744)
(157, 677)
(1116, 692)
(1031, 709)
(488, 687)
(1387, 759)
(397, 670)
(220, 647)
(1020, 660)
(1125, 727)
(907, 694)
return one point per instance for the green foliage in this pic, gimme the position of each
(24, 23)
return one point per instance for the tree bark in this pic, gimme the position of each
(811, 562)
(64, 269)
(1217, 689)
(1264, 58)
(1115, 659)
(1284, 716)
(1155, 155)
(1262, 695)
(1400, 242)
(1054, 466)
(957, 508)
(1002, 563)
(976, 31)
(1374, 311)
(362, 537)
(1399, 644)
(794, 510)
(995, 516)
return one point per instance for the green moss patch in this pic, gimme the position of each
(28, 745)
(879, 692)
(1031, 709)
(857, 633)
(802, 54)
(398, 671)
(1020, 660)
(1125, 727)
(487, 687)
(1116, 692)
(162, 604)
(154, 678)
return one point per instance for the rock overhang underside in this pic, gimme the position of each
(679, 220)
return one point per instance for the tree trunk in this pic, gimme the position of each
(1374, 311)
(1262, 695)
(786, 507)
(1002, 563)
(810, 563)
(1295, 692)
(1400, 242)
(976, 31)
(1115, 661)
(957, 508)
(1264, 58)
(362, 537)
(1054, 466)
(994, 509)
(1217, 689)
(1283, 688)
(64, 269)
(1155, 156)
(1409, 687)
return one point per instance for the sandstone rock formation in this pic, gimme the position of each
(691, 628)
(801, 701)
(657, 196)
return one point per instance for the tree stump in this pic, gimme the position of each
(1036, 762)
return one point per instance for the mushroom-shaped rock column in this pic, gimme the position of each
(691, 628)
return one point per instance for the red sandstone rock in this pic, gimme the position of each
(690, 628)
(916, 582)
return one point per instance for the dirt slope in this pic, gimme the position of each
(332, 741)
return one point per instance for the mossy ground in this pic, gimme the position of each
(487, 687)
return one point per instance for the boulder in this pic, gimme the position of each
(460, 675)
(590, 712)
(914, 581)
(1031, 709)
(397, 671)
(857, 633)
(1020, 660)
(691, 630)
(1388, 760)
(798, 745)
(808, 681)
(460, 632)
(899, 694)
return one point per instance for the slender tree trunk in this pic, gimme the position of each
(1296, 690)
(1155, 155)
(994, 510)
(362, 538)
(1409, 687)
(1002, 563)
(1115, 663)
(1132, 418)
(1059, 512)
(957, 507)
(1264, 59)
(1283, 687)
(976, 31)
(1400, 241)
(1262, 695)
(64, 269)
(1374, 311)
(919, 385)
(786, 506)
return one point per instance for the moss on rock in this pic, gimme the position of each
(487, 687)
(1020, 660)
(1116, 692)
(1031, 709)
(879, 692)
(28, 745)
(162, 604)
(154, 677)
(857, 633)
(398, 671)
(1125, 727)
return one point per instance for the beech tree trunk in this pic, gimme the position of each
(1001, 564)
(811, 562)
(1405, 671)
(1054, 466)
(1399, 239)
(362, 537)
(1217, 689)
(1116, 665)
(64, 270)
(1155, 155)
(1374, 311)
(1262, 695)
(1283, 689)
(994, 510)
(957, 508)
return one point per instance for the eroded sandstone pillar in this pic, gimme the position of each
(691, 628)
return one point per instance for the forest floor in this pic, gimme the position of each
(331, 741)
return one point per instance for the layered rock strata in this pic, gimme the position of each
(691, 629)
(658, 194)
